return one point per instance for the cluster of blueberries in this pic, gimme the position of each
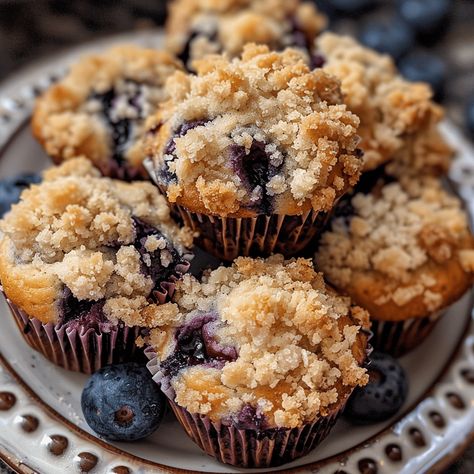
(411, 23)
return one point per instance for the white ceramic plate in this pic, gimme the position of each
(44, 431)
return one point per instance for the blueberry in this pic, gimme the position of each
(11, 188)
(122, 402)
(425, 67)
(383, 396)
(470, 116)
(392, 36)
(350, 7)
(427, 17)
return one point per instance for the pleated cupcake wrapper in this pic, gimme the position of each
(85, 349)
(244, 447)
(253, 448)
(399, 337)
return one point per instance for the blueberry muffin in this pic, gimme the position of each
(86, 261)
(258, 359)
(98, 109)
(253, 153)
(398, 119)
(404, 252)
(196, 28)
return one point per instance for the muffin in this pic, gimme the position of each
(98, 109)
(258, 359)
(196, 28)
(399, 121)
(253, 153)
(404, 252)
(86, 261)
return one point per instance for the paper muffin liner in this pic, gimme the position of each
(87, 349)
(399, 337)
(246, 447)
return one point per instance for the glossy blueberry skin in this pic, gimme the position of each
(469, 115)
(11, 188)
(426, 17)
(425, 67)
(383, 396)
(122, 402)
(392, 36)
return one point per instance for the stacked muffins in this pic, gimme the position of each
(265, 145)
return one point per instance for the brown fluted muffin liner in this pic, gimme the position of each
(399, 337)
(253, 448)
(86, 348)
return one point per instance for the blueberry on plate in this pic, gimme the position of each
(122, 402)
(425, 67)
(391, 36)
(426, 17)
(11, 188)
(383, 396)
(470, 116)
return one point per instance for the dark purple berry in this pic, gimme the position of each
(425, 67)
(122, 402)
(11, 188)
(351, 7)
(80, 312)
(383, 396)
(426, 17)
(391, 36)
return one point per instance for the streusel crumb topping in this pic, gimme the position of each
(398, 119)
(77, 115)
(299, 344)
(80, 230)
(299, 139)
(398, 237)
(199, 27)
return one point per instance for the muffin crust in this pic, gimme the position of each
(267, 110)
(404, 251)
(398, 119)
(69, 119)
(297, 346)
(77, 232)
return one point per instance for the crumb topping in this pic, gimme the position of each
(200, 27)
(399, 238)
(398, 119)
(266, 104)
(77, 116)
(299, 344)
(80, 230)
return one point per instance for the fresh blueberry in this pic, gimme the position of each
(383, 396)
(391, 36)
(425, 67)
(11, 188)
(350, 7)
(427, 17)
(122, 402)
(470, 116)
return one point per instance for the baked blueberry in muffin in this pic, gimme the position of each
(261, 136)
(257, 356)
(403, 251)
(199, 27)
(98, 109)
(86, 255)
(399, 121)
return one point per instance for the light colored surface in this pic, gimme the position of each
(169, 446)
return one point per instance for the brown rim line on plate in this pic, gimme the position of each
(41, 428)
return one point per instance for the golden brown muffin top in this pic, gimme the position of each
(92, 235)
(262, 129)
(77, 115)
(196, 28)
(398, 119)
(402, 251)
(298, 346)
